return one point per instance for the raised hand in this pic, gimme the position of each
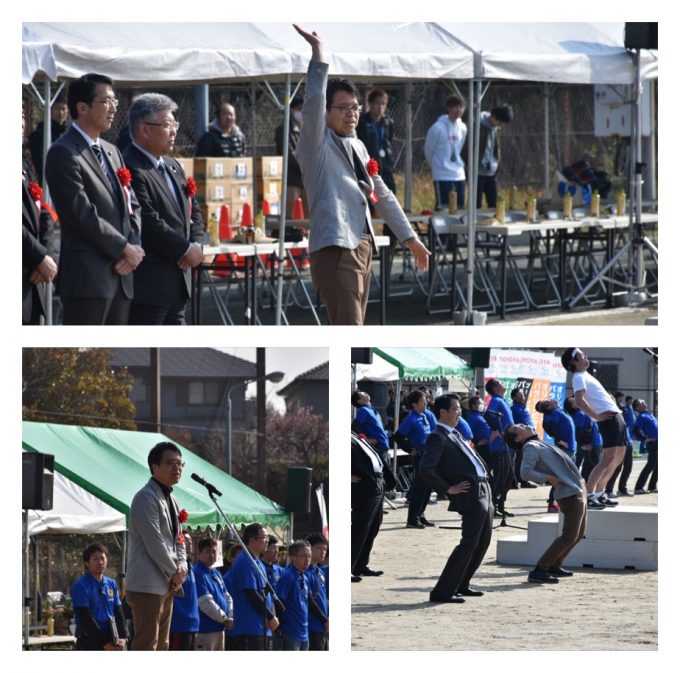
(314, 40)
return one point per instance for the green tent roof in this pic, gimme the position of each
(112, 465)
(426, 363)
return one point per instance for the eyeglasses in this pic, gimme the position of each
(344, 109)
(166, 126)
(109, 102)
(174, 463)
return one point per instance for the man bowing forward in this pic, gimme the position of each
(451, 466)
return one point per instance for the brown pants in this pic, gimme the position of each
(575, 517)
(151, 614)
(342, 277)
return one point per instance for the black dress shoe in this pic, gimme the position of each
(356, 578)
(414, 524)
(425, 522)
(438, 598)
(538, 576)
(367, 572)
(559, 572)
(469, 592)
(527, 484)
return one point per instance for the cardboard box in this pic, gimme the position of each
(187, 164)
(269, 167)
(223, 168)
(269, 189)
(224, 190)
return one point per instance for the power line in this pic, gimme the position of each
(133, 420)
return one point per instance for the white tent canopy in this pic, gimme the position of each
(559, 52)
(75, 511)
(379, 370)
(213, 52)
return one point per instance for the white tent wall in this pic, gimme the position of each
(75, 511)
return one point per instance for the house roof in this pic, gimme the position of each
(318, 373)
(186, 362)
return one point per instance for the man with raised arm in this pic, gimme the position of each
(340, 180)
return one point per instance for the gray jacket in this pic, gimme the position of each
(154, 553)
(541, 460)
(338, 206)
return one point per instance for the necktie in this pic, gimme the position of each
(105, 167)
(166, 176)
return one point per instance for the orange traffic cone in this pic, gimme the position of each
(266, 210)
(226, 234)
(298, 210)
(247, 215)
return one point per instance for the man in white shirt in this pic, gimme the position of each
(443, 145)
(596, 402)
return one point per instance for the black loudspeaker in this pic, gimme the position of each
(37, 473)
(298, 489)
(641, 36)
(362, 356)
(480, 357)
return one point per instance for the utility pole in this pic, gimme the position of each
(260, 366)
(155, 354)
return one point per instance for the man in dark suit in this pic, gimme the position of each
(368, 488)
(37, 267)
(451, 466)
(98, 214)
(172, 227)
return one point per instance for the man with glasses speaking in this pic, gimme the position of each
(98, 212)
(172, 226)
(340, 181)
(157, 565)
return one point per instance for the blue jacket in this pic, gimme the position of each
(498, 405)
(560, 426)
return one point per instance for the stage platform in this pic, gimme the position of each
(619, 538)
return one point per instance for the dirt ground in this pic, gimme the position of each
(593, 610)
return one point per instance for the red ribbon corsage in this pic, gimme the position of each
(192, 187)
(373, 169)
(35, 190)
(124, 176)
(183, 516)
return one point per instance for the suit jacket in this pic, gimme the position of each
(446, 463)
(95, 221)
(167, 230)
(338, 205)
(541, 460)
(154, 553)
(362, 465)
(33, 251)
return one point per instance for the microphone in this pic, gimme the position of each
(493, 413)
(203, 482)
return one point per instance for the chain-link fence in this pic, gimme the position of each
(570, 114)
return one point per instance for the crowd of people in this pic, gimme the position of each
(268, 598)
(585, 447)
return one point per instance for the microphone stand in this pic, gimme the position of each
(508, 453)
(279, 606)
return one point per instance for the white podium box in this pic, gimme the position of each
(617, 538)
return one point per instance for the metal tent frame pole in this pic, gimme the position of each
(637, 240)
